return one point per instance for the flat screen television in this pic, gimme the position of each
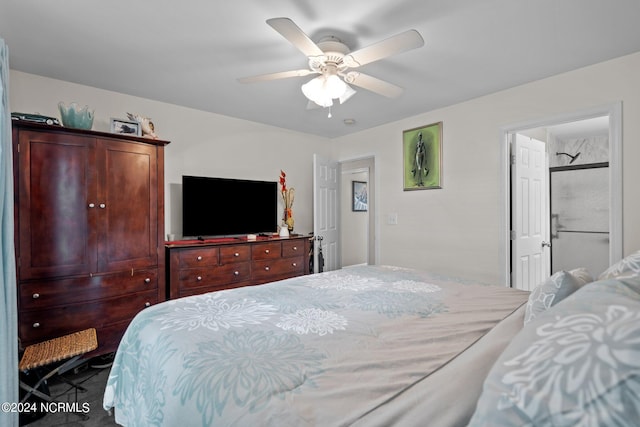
(228, 207)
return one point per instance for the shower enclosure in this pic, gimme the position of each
(579, 205)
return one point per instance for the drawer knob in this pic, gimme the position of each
(36, 296)
(267, 268)
(295, 248)
(236, 273)
(92, 205)
(266, 251)
(147, 280)
(199, 258)
(102, 206)
(199, 278)
(147, 304)
(294, 264)
(36, 325)
(236, 254)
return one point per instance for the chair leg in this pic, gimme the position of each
(33, 389)
(72, 384)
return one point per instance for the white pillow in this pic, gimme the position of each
(626, 267)
(582, 275)
(575, 365)
(549, 293)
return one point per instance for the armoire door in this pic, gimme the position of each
(56, 224)
(128, 204)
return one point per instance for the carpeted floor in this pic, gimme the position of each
(94, 380)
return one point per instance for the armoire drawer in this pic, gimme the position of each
(49, 293)
(38, 325)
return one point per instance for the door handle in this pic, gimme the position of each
(547, 244)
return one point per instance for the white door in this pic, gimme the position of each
(530, 253)
(326, 210)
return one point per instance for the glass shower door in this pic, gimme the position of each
(580, 217)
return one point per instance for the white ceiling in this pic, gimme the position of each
(190, 53)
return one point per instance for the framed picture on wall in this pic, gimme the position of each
(359, 199)
(422, 157)
(126, 127)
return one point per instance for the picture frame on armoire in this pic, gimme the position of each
(125, 127)
(422, 157)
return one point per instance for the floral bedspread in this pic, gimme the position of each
(317, 350)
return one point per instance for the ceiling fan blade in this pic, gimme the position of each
(275, 76)
(374, 84)
(290, 31)
(402, 42)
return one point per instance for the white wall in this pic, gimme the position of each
(201, 143)
(455, 230)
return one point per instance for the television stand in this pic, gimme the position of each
(199, 266)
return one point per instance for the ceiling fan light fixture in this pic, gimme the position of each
(314, 90)
(334, 87)
(325, 88)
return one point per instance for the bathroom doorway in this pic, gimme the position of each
(582, 225)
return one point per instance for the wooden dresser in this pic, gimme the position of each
(198, 267)
(89, 220)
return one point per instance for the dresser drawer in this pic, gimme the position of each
(224, 274)
(197, 257)
(235, 253)
(266, 269)
(48, 293)
(293, 248)
(39, 325)
(271, 250)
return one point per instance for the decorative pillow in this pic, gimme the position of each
(549, 293)
(582, 275)
(626, 267)
(576, 364)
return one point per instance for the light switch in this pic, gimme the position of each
(392, 218)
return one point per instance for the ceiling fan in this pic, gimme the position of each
(334, 63)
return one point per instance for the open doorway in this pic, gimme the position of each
(357, 221)
(566, 178)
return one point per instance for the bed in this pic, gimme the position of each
(326, 349)
(362, 346)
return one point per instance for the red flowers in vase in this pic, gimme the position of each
(288, 195)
